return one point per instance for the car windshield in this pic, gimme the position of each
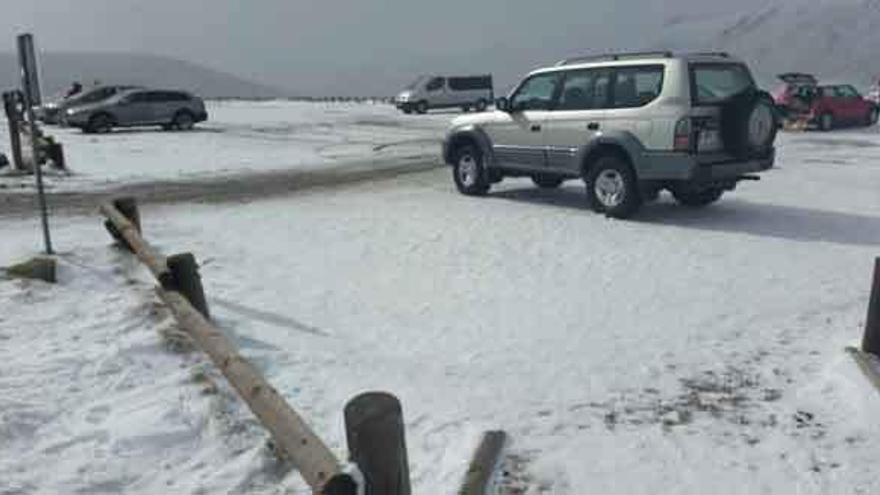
(714, 83)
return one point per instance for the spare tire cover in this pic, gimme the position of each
(760, 124)
(748, 124)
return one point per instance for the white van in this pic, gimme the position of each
(429, 92)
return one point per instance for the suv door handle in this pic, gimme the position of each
(536, 128)
(593, 126)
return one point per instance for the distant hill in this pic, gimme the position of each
(837, 40)
(58, 70)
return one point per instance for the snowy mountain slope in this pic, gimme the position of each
(835, 40)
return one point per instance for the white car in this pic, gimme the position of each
(629, 125)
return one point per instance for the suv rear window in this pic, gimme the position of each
(714, 83)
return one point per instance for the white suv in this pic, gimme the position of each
(629, 125)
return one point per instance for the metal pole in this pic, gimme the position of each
(27, 60)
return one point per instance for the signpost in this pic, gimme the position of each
(30, 85)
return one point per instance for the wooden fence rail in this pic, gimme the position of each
(293, 438)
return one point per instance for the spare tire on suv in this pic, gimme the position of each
(749, 124)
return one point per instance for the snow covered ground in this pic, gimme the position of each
(684, 352)
(240, 137)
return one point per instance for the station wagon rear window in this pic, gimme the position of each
(713, 83)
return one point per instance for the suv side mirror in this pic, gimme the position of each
(502, 104)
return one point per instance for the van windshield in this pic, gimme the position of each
(415, 84)
(714, 83)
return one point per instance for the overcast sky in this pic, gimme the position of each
(307, 45)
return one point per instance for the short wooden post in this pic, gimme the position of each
(341, 484)
(128, 207)
(376, 444)
(56, 153)
(186, 280)
(484, 464)
(871, 340)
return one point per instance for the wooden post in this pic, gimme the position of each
(186, 280)
(131, 238)
(341, 484)
(13, 117)
(871, 340)
(293, 438)
(484, 464)
(129, 209)
(375, 434)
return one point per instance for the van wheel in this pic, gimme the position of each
(468, 171)
(481, 105)
(183, 121)
(422, 107)
(465, 108)
(826, 122)
(612, 187)
(545, 181)
(697, 199)
(101, 123)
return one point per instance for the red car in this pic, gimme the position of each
(827, 106)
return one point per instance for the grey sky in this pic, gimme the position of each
(315, 45)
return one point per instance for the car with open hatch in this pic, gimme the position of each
(629, 125)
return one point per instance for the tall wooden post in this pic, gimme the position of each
(871, 340)
(11, 101)
(186, 280)
(376, 444)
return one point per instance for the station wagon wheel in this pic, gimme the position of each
(183, 121)
(612, 187)
(100, 123)
(422, 107)
(468, 173)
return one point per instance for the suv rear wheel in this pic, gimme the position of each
(468, 171)
(696, 199)
(612, 187)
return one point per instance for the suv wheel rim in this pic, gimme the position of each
(467, 170)
(610, 188)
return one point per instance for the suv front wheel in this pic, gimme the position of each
(612, 187)
(468, 171)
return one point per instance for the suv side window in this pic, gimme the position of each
(536, 92)
(585, 90)
(637, 86)
(435, 84)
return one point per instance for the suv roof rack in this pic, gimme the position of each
(615, 56)
(712, 54)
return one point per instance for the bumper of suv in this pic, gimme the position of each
(705, 168)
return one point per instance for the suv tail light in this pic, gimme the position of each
(683, 132)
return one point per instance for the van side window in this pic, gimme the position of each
(637, 86)
(585, 90)
(470, 83)
(435, 84)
